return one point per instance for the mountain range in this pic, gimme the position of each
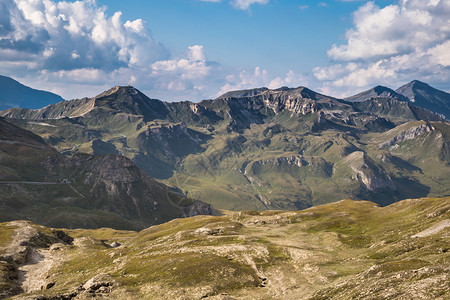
(121, 172)
(288, 148)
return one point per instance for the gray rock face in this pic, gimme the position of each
(99, 281)
(198, 208)
(409, 134)
(372, 176)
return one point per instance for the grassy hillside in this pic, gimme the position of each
(346, 250)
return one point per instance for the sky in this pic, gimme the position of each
(198, 49)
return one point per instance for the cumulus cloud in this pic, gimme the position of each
(69, 35)
(66, 45)
(189, 77)
(183, 74)
(392, 45)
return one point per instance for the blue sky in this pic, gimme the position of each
(297, 35)
(197, 49)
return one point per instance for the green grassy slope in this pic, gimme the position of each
(348, 249)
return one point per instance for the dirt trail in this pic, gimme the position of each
(33, 261)
(32, 276)
(433, 229)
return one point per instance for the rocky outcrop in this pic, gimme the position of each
(297, 164)
(26, 264)
(198, 208)
(409, 134)
(28, 236)
(372, 176)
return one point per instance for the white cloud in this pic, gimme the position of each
(391, 45)
(290, 80)
(440, 54)
(75, 48)
(260, 78)
(241, 4)
(189, 77)
(196, 53)
(245, 4)
(194, 67)
(71, 35)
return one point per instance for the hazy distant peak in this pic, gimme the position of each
(377, 92)
(15, 94)
(426, 96)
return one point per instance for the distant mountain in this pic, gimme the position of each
(378, 91)
(15, 94)
(416, 92)
(423, 95)
(286, 148)
(38, 183)
(395, 109)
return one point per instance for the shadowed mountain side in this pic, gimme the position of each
(423, 95)
(42, 185)
(416, 92)
(15, 94)
(377, 92)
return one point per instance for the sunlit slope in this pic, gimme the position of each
(348, 249)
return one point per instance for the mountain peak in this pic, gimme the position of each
(418, 82)
(125, 89)
(243, 93)
(426, 96)
(377, 92)
(129, 100)
(301, 91)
